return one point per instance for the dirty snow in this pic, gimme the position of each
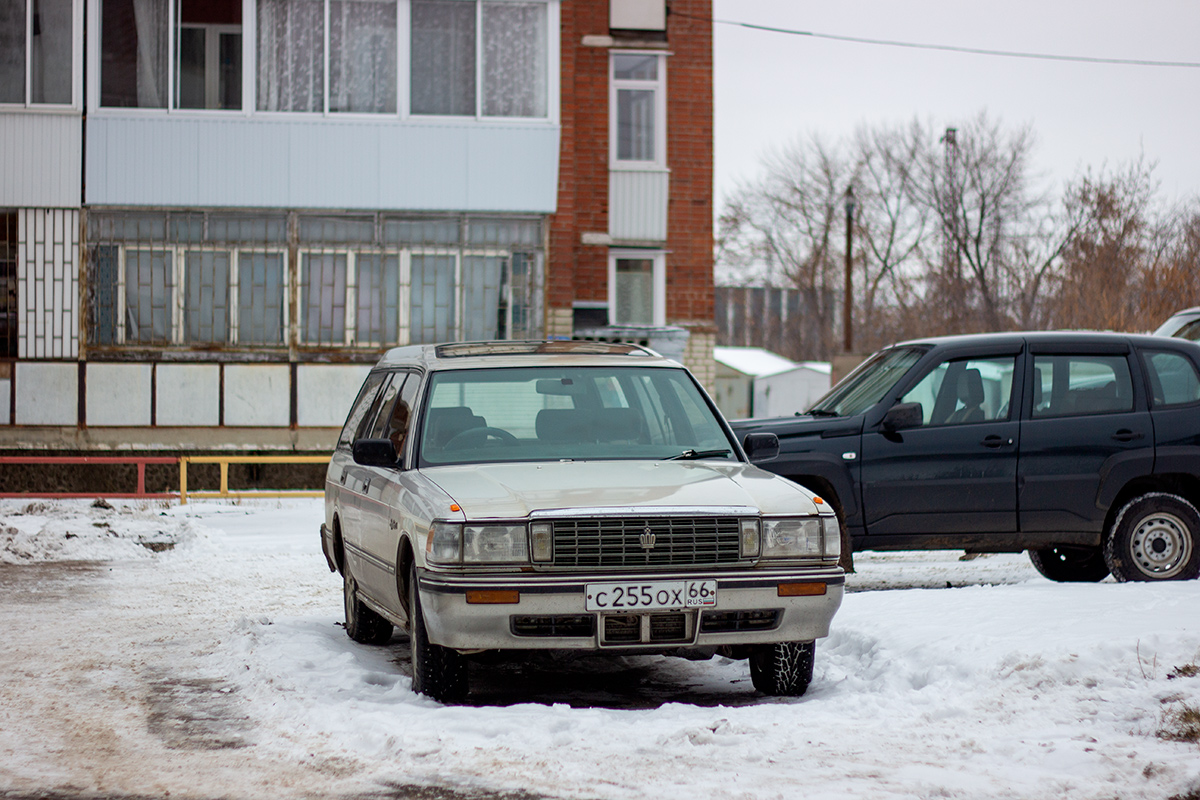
(195, 652)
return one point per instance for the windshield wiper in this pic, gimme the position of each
(821, 412)
(688, 455)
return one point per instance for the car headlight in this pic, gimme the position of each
(444, 544)
(494, 544)
(793, 537)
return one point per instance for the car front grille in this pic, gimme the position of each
(623, 542)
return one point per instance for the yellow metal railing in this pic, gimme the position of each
(225, 461)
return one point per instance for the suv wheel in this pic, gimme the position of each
(1156, 537)
(439, 672)
(362, 624)
(784, 669)
(1070, 564)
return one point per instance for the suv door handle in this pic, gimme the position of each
(995, 441)
(1126, 435)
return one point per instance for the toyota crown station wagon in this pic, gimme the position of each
(578, 496)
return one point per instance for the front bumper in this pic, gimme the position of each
(550, 611)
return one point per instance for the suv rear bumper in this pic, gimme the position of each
(550, 612)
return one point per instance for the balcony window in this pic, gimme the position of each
(209, 55)
(638, 109)
(43, 31)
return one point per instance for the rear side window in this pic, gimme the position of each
(1173, 379)
(1071, 385)
(361, 405)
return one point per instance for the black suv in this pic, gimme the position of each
(1082, 448)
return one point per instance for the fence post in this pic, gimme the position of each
(183, 462)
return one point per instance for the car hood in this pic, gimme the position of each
(512, 491)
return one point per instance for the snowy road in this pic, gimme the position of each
(194, 652)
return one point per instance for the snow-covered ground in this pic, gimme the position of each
(195, 652)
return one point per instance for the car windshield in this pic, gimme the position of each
(868, 384)
(567, 413)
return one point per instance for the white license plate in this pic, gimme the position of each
(650, 596)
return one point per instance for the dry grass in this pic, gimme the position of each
(1181, 724)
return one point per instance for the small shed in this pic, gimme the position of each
(753, 382)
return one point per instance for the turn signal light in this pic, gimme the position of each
(801, 589)
(494, 596)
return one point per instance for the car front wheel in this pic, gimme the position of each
(1156, 537)
(438, 672)
(1070, 564)
(784, 669)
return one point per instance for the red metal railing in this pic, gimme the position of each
(140, 461)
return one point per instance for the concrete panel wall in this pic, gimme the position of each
(638, 205)
(178, 160)
(188, 394)
(47, 393)
(40, 156)
(324, 393)
(257, 395)
(118, 394)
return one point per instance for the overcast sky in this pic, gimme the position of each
(772, 87)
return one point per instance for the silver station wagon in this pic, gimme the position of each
(579, 496)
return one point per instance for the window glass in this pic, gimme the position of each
(514, 59)
(133, 53)
(635, 291)
(868, 384)
(149, 286)
(208, 41)
(442, 66)
(964, 391)
(206, 296)
(261, 298)
(1081, 384)
(8, 284)
(636, 76)
(12, 51)
(377, 312)
(565, 413)
(104, 271)
(358, 411)
(1173, 379)
(291, 55)
(323, 297)
(481, 278)
(1190, 331)
(432, 310)
(379, 418)
(362, 56)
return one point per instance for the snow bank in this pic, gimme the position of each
(79, 530)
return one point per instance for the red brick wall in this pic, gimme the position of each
(580, 272)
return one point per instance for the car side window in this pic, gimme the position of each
(376, 427)
(1072, 385)
(1173, 379)
(366, 396)
(966, 390)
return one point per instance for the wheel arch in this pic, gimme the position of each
(339, 547)
(1182, 484)
(404, 561)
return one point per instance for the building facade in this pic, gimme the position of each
(216, 215)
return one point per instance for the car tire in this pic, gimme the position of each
(437, 672)
(784, 669)
(1070, 564)
(1156, 537)
(362, 624)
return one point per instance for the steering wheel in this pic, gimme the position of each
(483, 433)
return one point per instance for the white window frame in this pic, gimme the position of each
(212, 52)
(659, 257)
(553, 66)
(659, 86)
(76, 60)
(178, 292)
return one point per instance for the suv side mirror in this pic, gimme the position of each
(903, 415)
(374, 452)
(761, 447)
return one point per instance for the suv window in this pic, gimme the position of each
(1071, 385)
(965, 390)
(1173, 379)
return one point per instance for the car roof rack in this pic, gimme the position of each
(550, 347)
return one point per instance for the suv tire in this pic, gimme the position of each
(1071, 564)
(784, 669)
(362, 624)
(437, 672)
(1156, 537)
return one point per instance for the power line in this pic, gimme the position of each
(1129, 62)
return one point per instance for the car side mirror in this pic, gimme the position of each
(374, 452)
(761, 447)
(903, 415)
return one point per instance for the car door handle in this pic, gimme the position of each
(995, 441)
(366, 485)
(1126, 435)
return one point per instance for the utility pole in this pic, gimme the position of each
(848, 295)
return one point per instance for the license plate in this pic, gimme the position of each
(650, 596)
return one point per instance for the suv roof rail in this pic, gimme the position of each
(535, 347)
